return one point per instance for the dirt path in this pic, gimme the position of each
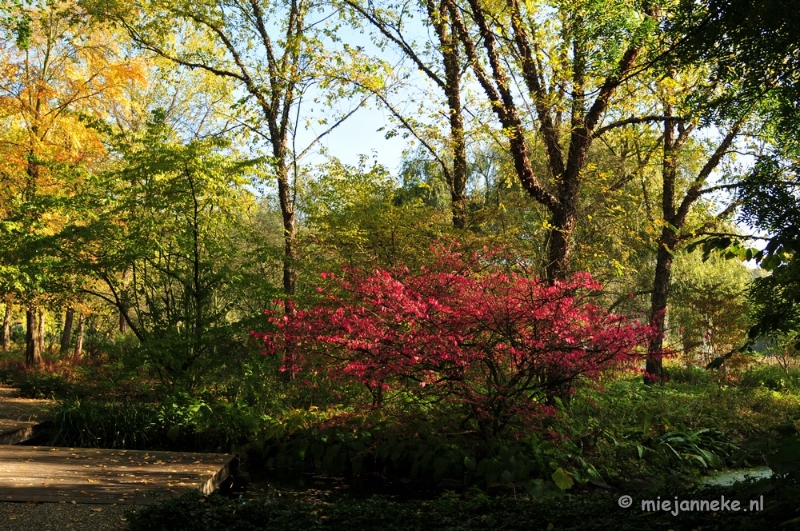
(12, 407)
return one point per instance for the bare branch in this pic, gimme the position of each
(334, 126)
(633, 120)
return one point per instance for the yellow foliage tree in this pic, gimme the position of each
(61, 74)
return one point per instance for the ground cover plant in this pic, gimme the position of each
(451, 512)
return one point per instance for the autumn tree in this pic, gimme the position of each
(560, 58)
(272, 52)
(709, 311)
(60, 72)
(443, 64)
(756, 47)
(170, 214)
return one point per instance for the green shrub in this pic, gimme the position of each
(691, 375)
(704, 449)
(420, 451)
(772, 377)
(172, 425)
(39, 384)
(88, 424)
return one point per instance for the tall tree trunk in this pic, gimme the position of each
(124, 302)
(42, 317)
(289, 230)
(667, 243)
(451, 57)
(289, 259)
(674, 216)
(123, 323)
(66, 335)
(7, 325)
(458, 186)
(78, 352)
(33, 353)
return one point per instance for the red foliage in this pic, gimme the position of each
(502, 344)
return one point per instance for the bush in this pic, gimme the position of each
(40, 384)
(419, 450)
(177, 424)
(691, 375)
(772, 377)
(499, 346)
(88, 424)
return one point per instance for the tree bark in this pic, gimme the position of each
(78, 352)
(7, 325)
(654, 369)
(33, 353)
(124, 302)
(559, 249)
(667, 243)
(289, 233)
(42, 318)
(451, 57)
(495, 80)
(123, 323)
(66, 335)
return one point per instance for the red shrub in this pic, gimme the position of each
(501, 344)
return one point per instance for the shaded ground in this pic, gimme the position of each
(13, 407)
(62, 517)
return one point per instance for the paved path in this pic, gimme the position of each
(123, 477)
(86, 489)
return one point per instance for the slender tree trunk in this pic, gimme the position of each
(123, 324)
(78, 352)
(289, 259)
(289, 230)
(7, 325)
(42, 318)
(658, 304)
(124, 301)
(66, 335)
(667, 243)
(33, 353)
(458, 188)
(451, 57)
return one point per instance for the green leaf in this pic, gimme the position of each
(563, 479)
(470, 463)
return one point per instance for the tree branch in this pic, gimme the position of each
(629, 121)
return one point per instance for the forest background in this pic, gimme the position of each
(580, 185)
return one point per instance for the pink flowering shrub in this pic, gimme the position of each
(498, 345)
